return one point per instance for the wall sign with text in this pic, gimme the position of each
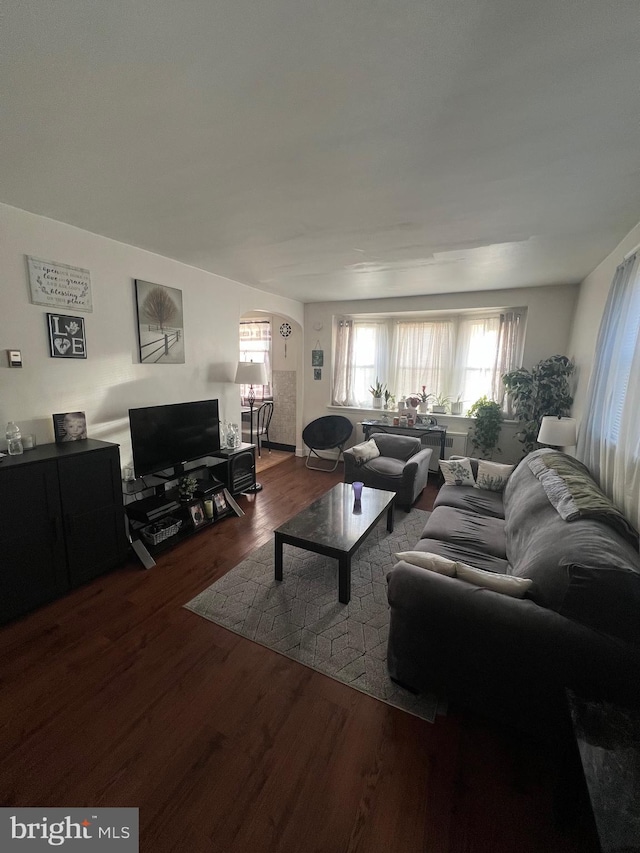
(66, 336)
(59, 286)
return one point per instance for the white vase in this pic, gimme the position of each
(456, 408)
(377, 402)
(422, 408)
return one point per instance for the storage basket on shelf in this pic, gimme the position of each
(161, 530)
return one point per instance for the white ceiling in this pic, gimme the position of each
(331, 149)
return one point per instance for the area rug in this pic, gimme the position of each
(301, 617)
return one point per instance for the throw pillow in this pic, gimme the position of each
(457, 472)
(426, 560)
(506, 584)
(492, 476)
(366, 451)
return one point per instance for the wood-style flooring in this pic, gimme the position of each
(117, 696)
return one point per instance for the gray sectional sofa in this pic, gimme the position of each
(512, 658)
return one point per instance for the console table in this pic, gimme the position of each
(419, 430)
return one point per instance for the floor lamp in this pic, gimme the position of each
(251, 373)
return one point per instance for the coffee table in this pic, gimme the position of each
(335, 526)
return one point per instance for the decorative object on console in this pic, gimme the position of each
(251, 373)
(69, 426)
(186, 487)
(14, 439)
(160, 323)
(557, 432)
(59, 285)
(196, 511)
(66, 336)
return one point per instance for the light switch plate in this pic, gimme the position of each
(15, 357)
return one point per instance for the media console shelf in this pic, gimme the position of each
(165, 506)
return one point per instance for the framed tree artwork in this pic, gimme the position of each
(160, 323)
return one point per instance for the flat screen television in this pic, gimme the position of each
(167, 436)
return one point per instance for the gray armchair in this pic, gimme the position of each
(402, 467)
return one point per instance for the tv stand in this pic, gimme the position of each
(165, 505)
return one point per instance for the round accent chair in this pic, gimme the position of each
(330, 432)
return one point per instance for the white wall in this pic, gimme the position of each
(549, 318)
(594, 291)
(111, 379)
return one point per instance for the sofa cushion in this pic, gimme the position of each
(475, 500)
(504, 584)
(401, 447)
(365, 451)
(428, 560)
(462, 527)
(457, 472)
(463, 554)
(386, 467)
(492, 476)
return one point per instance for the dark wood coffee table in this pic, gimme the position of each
(336, 526)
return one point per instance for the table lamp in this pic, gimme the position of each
(557, 432)
(251, 373)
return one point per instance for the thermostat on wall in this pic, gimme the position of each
(15, 357)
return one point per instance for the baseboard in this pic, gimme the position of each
(275, 445)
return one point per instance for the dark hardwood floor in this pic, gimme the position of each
(117, 695)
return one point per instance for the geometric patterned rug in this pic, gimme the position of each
(301, 617)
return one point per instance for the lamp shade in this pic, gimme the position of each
(251, 373)
(560, 432)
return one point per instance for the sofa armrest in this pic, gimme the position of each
(477, 641)
(351, 466)
(416, 471)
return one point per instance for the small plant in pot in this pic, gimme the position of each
(377, 392)
(389, 399)
(487, 426)
(457, 405)
(422, 399)
(440, 404)
(186, 487)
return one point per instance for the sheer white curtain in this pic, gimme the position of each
(609, 438)
(361, 357)
(507, 356)
(343, 364)
(475, 357)
(422, 354)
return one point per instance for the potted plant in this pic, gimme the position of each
(487, 426)
(389, 399)
(423, 399)
(457, 405)
(440, 403)
(377, 392)
(543, 390)
(186, 487)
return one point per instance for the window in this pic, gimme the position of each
(255, 345)
(458, 355)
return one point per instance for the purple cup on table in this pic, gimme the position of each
(357, 490)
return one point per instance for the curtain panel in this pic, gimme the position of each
(609, 437)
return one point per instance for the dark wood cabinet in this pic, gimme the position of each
(61, 521)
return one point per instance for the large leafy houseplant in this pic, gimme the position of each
(487, 426)
(543, 390)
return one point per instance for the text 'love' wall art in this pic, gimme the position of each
(66, 336)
